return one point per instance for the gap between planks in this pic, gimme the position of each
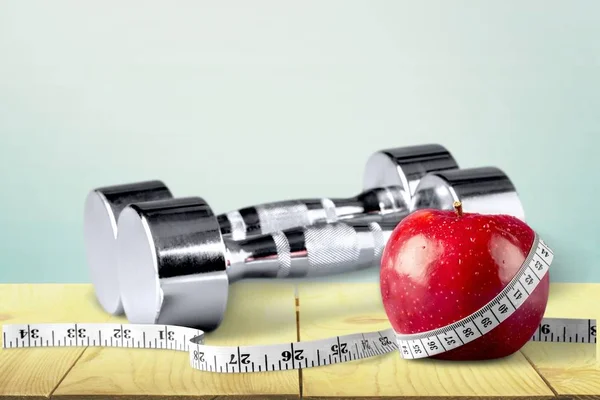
(297, 302)
(539, 374)
(242, 397)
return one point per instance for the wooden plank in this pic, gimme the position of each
(34, 373)
(264, 313)
(258, 313)
(337, 309)
(572, 370)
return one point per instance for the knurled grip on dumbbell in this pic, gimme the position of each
(333, 248)
(278, 216)
(328, 247)
(316, 250)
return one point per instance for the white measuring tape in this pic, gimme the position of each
(308, 354)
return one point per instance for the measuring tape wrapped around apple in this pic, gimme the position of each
(454, 286)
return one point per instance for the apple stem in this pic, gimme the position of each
(458, 208)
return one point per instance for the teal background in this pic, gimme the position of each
(248, 102)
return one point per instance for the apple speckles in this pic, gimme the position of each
(504, 252)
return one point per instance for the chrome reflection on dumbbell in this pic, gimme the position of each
(389, 181)
(477, 189)
(175, 267)
(102, 208)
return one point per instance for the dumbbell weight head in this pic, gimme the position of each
(175, 267)
(401, 167)
(101, 211)
(405, 166)
(172, 263)
(484, 190)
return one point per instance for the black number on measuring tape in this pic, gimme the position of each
(34, 333)
(417, 349)
(449, 340)
(486, 322)
(517, 294)
(593, 330)
(432, 345)
(287, 355)
(365, 344)
(405, 349)
(545, 252)
(538, 265)
(338, 350)
(170, 335)
(385, 341)
(243, 357)
(80, 333)
(126, 334)
(468, 332)
(199, 356)
(503, 309)
(529, 279)
(545, 329)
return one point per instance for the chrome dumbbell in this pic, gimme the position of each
(389, 181)
(175, 267)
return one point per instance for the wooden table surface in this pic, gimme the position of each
(267, 313)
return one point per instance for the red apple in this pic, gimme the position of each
(441, 266)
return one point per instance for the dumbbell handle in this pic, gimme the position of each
(316, 250)
(267, 218)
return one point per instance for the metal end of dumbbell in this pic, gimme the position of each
(485, 190)
(101, 211)
(405, 166)
(172, 264)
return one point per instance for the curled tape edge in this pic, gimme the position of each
(314, 353)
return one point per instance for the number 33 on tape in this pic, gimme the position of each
(296, 355)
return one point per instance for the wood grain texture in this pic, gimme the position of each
(35, 373)
(337, 309)
(572, 370)
(265, 313)
(257, 313)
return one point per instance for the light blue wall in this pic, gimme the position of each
(247, 102)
